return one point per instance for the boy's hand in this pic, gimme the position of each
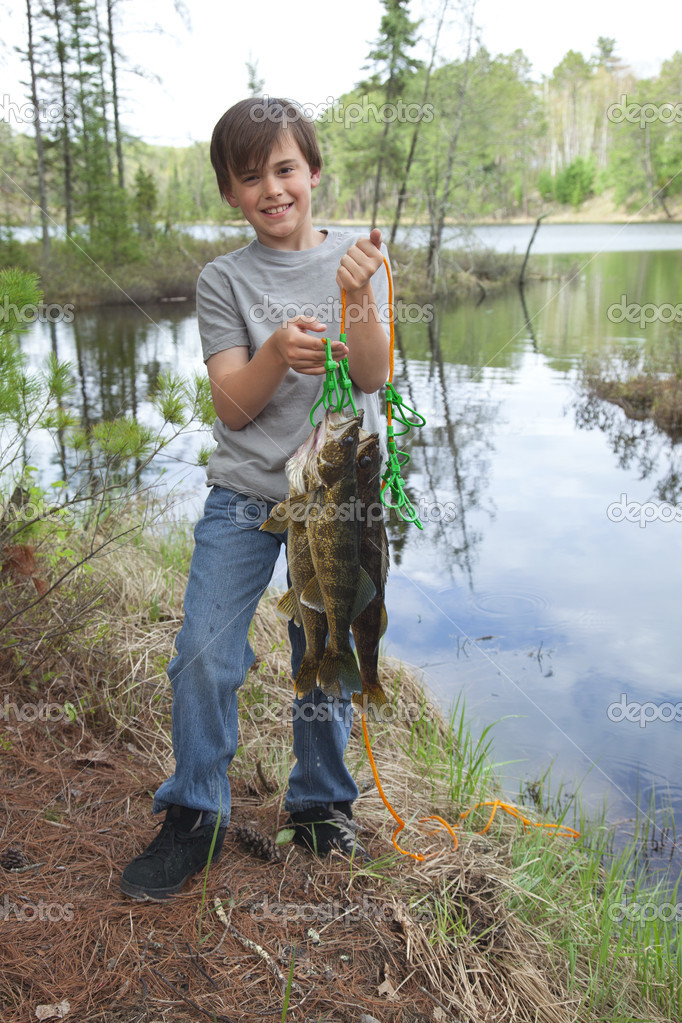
(298, 350)
(361, 261)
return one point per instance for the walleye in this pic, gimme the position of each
(331, 582)
(290, 514)
(341, 587)
(369, 627)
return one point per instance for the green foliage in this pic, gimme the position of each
(19, 292)
(574, 183)
(145, 202)
(88, 511)
(546, 184)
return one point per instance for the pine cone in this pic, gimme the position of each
(259, 844)
(13, 858)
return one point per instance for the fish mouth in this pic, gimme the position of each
(298, 465)
(337, 420)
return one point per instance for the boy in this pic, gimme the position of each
(265, 377)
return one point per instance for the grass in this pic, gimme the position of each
(644, 380)
(515, 924)
(167, 267)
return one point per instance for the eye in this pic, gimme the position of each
(364, 461)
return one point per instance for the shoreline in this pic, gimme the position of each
(509, 919)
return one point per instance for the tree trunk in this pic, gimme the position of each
(42, 188)
(377, 180)
(436, 233)
(66, 138)
(413, 144)
(102, 92)
(114, 92)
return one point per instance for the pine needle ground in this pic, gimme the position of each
(510, 926)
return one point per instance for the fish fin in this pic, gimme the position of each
(383, 622)
(288, 607)
(283, 513)
(306, 679)
(365, 592)
(312, 595)
(339, 668)
(373, 702)
(279, 519)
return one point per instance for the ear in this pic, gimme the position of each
(231, 198)
(315, 175)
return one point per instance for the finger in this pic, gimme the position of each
(375, 237)
(306, 323)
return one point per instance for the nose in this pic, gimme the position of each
(271, 186)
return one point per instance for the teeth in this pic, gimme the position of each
(277, 209)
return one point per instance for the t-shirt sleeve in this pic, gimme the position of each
(221, 325)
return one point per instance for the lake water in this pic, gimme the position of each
(528, 590)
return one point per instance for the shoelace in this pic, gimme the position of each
(165, 840)
(348, 828)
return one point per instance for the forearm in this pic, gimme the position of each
(368, 343)
(239, 396)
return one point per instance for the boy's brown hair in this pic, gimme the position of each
(244, 136)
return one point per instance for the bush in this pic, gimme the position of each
(574, 183)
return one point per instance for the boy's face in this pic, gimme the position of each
(276, 199)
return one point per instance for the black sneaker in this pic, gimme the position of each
(323, 829)
(179, 850)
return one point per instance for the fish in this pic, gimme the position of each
(289, 515)
(340, 587)
(329, 588)
(370, 625)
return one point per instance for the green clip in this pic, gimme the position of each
(405, 414)
(394, 485)
(336, 390)
(331, 394)
(346, 383)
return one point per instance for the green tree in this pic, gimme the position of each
(397, 35)
(145, 202)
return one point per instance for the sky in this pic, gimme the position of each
(313, 52)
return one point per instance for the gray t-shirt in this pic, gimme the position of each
(242, 298)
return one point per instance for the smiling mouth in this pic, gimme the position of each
(273, 211)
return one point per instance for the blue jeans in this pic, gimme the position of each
(232, 564)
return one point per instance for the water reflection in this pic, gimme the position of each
(638, 444)
(527, 598)
(448, 469)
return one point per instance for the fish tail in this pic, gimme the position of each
(339, 667)
(373, 702)
(306, 679)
